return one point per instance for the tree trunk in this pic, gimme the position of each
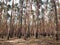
(38, 6)
(56, 18)
(21, 13)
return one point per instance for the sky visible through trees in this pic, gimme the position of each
(29, 17)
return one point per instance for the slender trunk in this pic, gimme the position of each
(21, 13)
(11, 30)
(27, 32)
(1, 18)
(6, 23)
(11, 23)
(37, 18)
(43, 20)
(0, 15)
(56, 18)
(6, 17)
(28, 17)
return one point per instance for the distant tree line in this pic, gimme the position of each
(29, 18)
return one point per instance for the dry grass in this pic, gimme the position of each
(31, 41)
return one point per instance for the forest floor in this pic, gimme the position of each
(31, 41)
